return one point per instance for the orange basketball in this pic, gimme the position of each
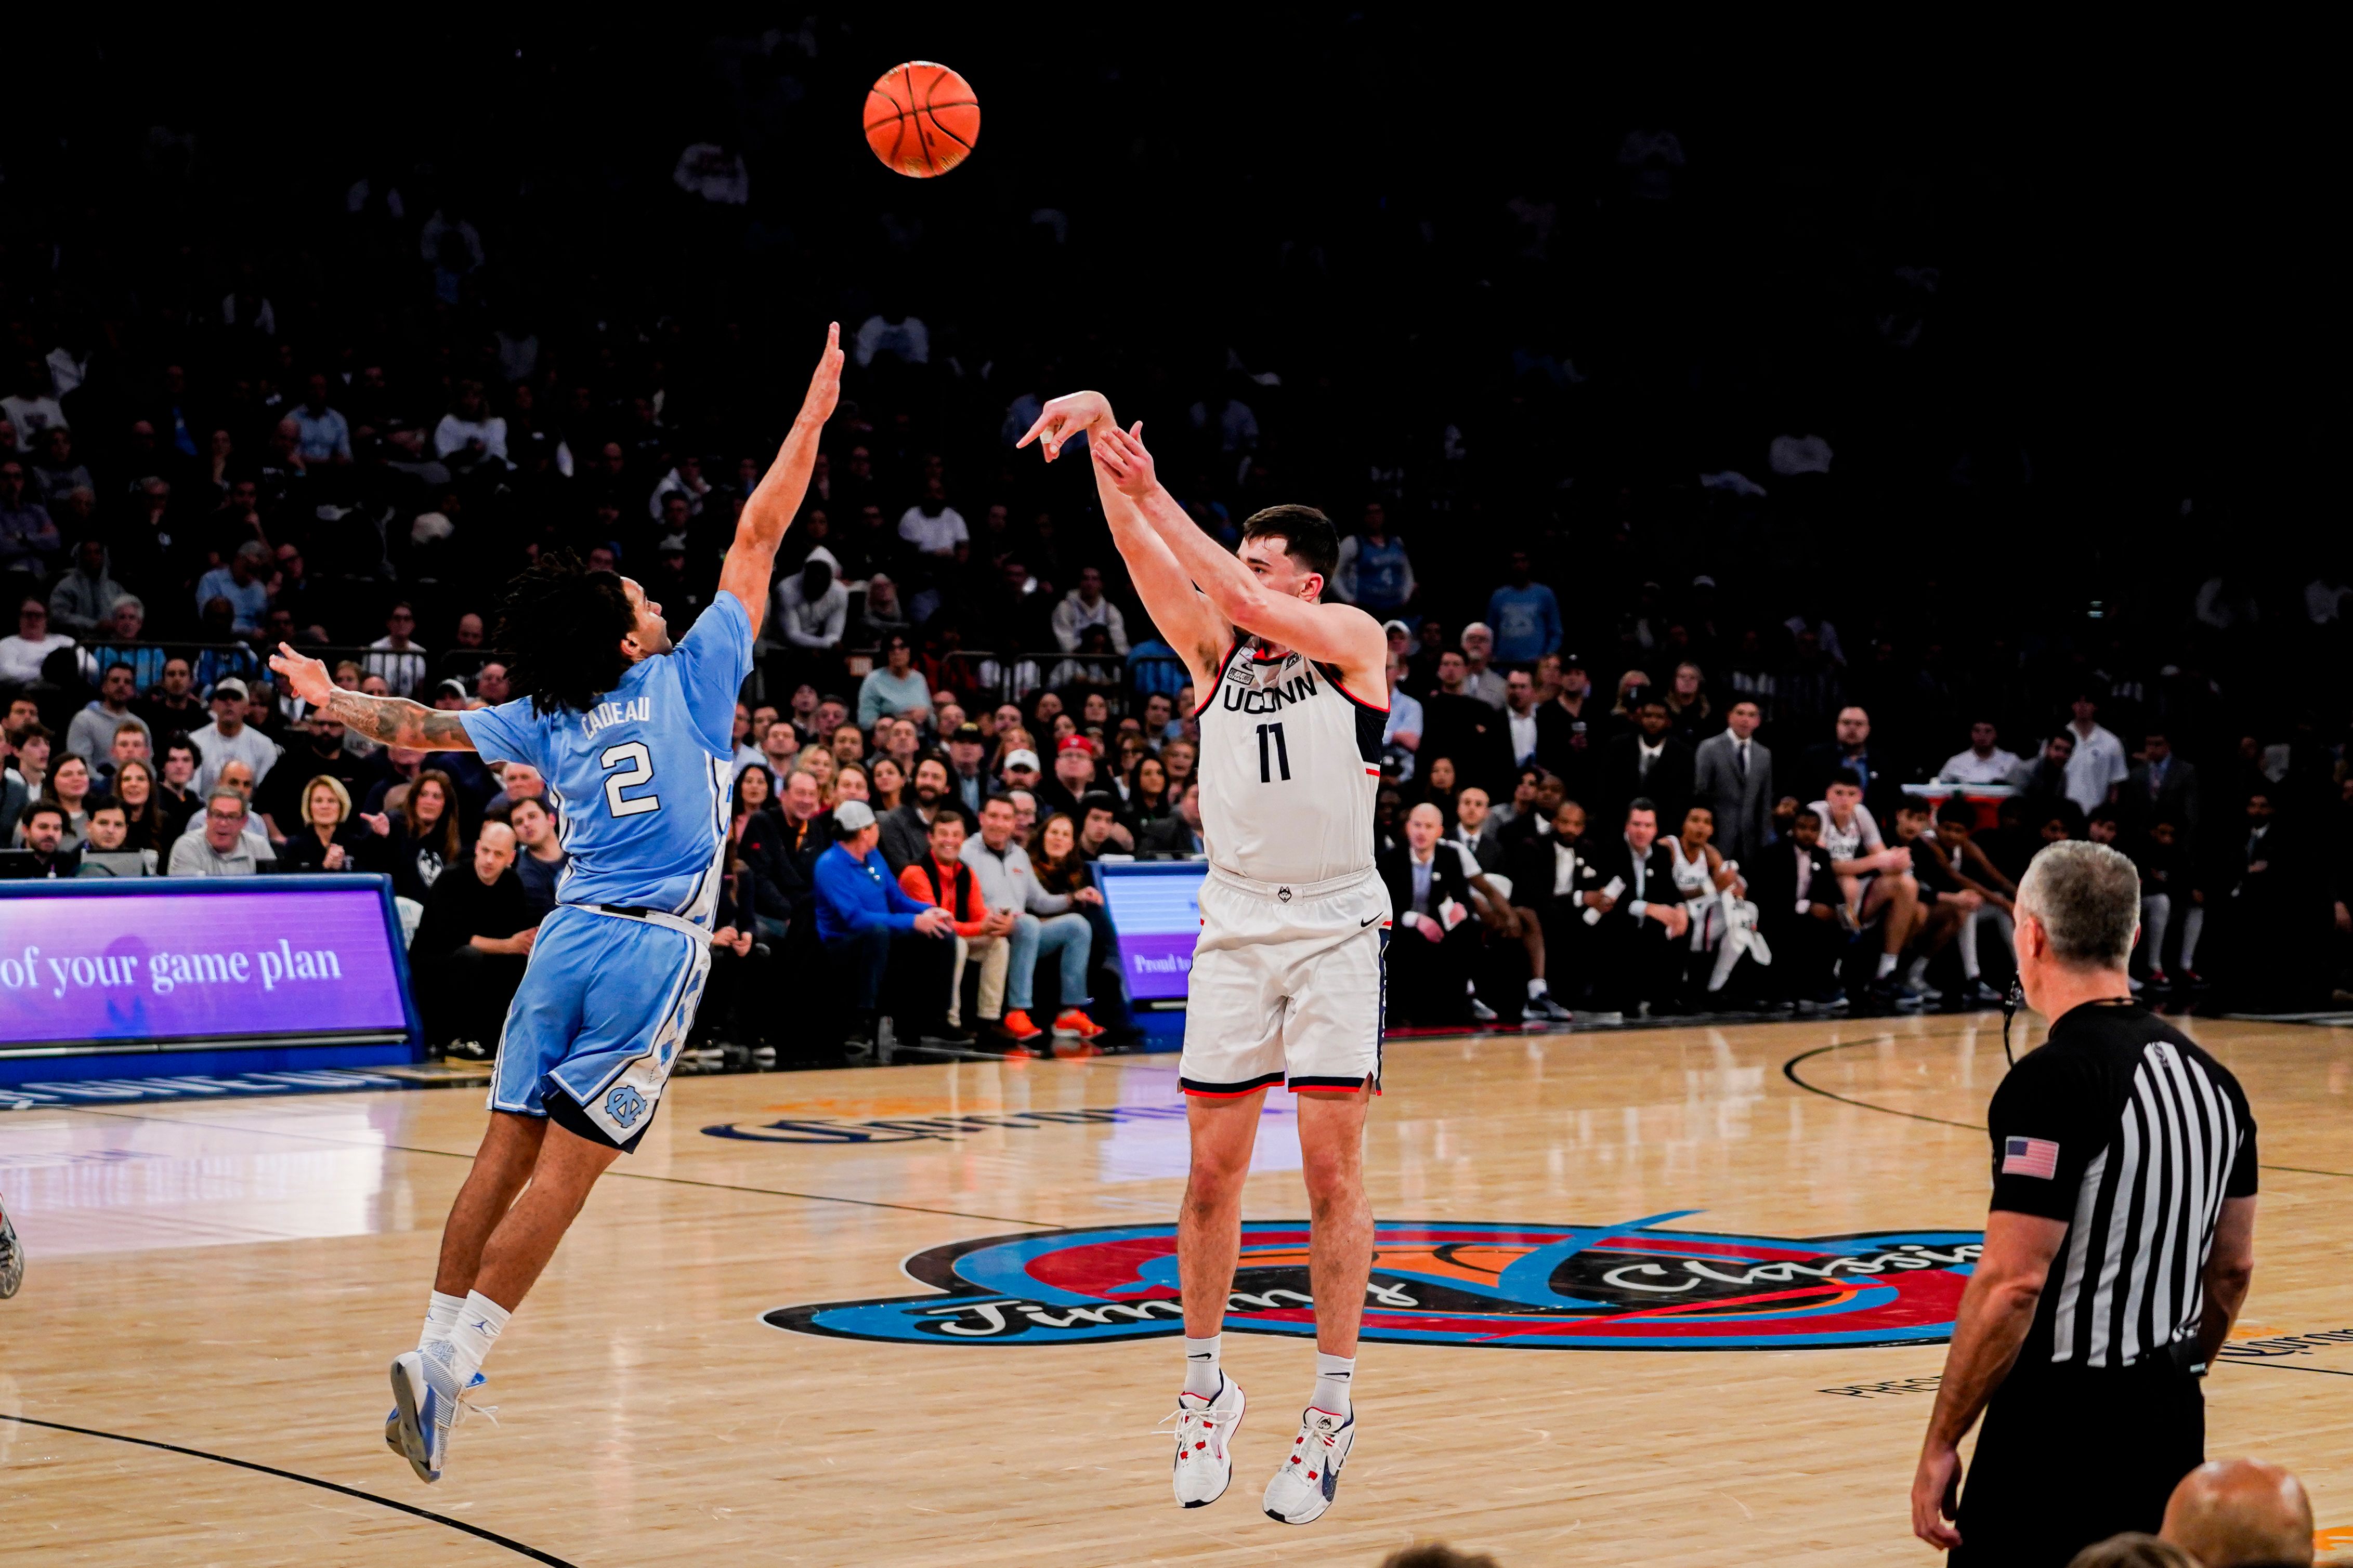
(921, 119)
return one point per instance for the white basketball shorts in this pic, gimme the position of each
(1287, 985)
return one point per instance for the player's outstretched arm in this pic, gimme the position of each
(777, 498)
(387, 721)
(1335, 634)
(1190, 622)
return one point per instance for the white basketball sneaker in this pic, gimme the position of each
(392, 1417)
(427, 1403)
(1302, 1489)
(1204, 1466)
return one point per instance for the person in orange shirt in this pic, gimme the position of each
(942, 878)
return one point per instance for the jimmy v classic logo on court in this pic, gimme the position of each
(1616, 1287)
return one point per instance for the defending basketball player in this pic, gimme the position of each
(633, 736)
(1286, 985)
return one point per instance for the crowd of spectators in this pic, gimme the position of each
(2230, 1513)
(1663, 664)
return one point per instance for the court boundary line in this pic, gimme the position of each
(625, 1175)
(1790, 1071)
(492, 1536)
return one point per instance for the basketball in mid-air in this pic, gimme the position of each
(922, 118)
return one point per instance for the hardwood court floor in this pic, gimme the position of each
(230, 1279)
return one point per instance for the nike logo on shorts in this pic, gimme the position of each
(1362, 924)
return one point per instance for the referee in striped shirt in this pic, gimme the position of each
(2117, 1250)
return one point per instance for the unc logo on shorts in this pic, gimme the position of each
(625, 1105)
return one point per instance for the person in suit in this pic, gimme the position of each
(1648, 764)
(1732, 775)
(1180, 832)
(1638, 939)
(1434, 937)
(1536, 821)
(1489, 860)
(1477, 831)
(1552, 880)
(2268, 897)
(1797, 897)
(2161, 788)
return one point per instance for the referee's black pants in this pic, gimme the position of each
(2070, 1456)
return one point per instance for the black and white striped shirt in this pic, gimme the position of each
(2122, 1127)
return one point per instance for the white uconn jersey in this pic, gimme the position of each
(1289, 769)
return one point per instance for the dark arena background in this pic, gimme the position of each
(1943, 419)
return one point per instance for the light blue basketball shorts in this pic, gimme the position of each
(605, 1007)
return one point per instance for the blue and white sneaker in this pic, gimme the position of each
(427, 1403)
(1302, 1489)
(1204, 1466)
(392, 1417)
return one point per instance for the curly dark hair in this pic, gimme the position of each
(565, 625)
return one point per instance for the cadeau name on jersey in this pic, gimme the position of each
(635, 710)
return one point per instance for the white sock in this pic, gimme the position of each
(479, 1325)
(1886, 964)
(1919, 970)
(440, 1317)
(1537, 989)
(1334, 1375)
(1202, 1377)
(1967, 938)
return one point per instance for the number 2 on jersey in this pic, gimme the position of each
(640, 771)
(1279, 758)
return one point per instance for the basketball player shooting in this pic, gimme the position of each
(1286, 985)
(633, 735)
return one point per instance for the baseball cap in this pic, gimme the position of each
(232, 687)
(1022, 757)
(1076, 744)
(671, 545)
(968, 732)
(1398, 627)
(853, 816)
(453, 687)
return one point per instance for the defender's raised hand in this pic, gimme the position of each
(825, 385)
(1065, 416)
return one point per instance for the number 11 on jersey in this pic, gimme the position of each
(1270, 761)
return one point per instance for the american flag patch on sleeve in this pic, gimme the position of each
(2029, 1157)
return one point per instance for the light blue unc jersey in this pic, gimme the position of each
(641, 782)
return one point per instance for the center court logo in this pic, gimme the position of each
(1630, 1287)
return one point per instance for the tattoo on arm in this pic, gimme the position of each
(396, 722)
